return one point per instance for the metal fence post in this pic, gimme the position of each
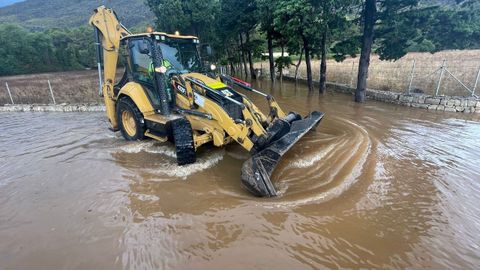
(9, 93)
(51, 92)
(412, 74)
(476, 82)
(442, 70)
(351, 73)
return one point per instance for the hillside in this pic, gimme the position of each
(43, 14)
(5, 3)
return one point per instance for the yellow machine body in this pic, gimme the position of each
(190, 106)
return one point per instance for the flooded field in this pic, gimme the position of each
(375, 186)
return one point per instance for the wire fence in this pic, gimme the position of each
(50, 88)
(450, 73)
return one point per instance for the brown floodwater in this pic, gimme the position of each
(375, 186)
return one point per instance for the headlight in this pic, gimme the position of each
(213, 67)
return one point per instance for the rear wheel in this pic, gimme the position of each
(130, 120)
(182, 134)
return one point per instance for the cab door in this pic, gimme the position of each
(141, 67)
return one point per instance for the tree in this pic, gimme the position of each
(334, 24)
(236, 23)
(193, 17)
(369, 19)
(266, 10)
(459, 25)
(281, 63)
(297, 20)
(239, 29)
(227, 37)
(396, 26)
(24, 51)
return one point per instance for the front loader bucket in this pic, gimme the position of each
(256, 171)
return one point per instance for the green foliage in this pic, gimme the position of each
(297, 20)
(46, 14)
(46, 41)
(256, 46)
(407, 25)
(348, 46)
(283, 62)
(459, 27)
(424, 45)
(266, 9)
(23, 51)
(193, 17)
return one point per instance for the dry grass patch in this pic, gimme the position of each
(68, 87)
(396, 75)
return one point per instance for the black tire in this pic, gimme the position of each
(182, 134)
(125, 104)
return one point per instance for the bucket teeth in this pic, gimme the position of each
(256, 171)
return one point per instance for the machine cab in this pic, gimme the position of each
(152, 53)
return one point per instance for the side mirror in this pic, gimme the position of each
(144, 47)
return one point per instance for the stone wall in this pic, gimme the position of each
(52, 108)
(438, 103)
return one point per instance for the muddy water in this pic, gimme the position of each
(375, 186)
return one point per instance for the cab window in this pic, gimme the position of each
(141, 64)
(142, 69)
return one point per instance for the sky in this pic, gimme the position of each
(4, 3)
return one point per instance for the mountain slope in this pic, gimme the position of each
(4, 3)
(43, 14)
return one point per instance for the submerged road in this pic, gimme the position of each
(375, 186)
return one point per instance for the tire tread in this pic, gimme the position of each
(183, 137)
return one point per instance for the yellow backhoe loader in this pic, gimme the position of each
(166, 93)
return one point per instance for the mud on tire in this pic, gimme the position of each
(182, 134)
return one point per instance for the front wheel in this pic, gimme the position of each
(130, 120)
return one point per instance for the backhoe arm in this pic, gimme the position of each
(108, 31)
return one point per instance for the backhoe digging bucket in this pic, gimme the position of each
(256, 171)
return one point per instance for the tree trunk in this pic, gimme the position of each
(309, 65)
(232, 68)
(230, 63)
(370, 12)
(238, 59)
(281, 64)
(298, 64)
(250, 61)
(270, 57)
(243, 56)
(323, 64)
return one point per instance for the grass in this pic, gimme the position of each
(396, 75)
(67, 87)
